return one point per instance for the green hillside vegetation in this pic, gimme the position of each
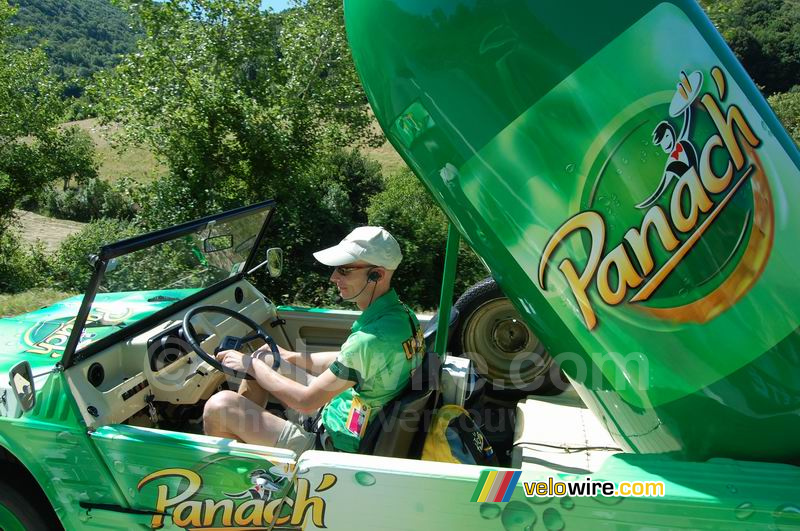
(80, 37)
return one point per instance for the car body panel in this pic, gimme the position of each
(39, 337)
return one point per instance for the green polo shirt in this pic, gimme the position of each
(385, 345)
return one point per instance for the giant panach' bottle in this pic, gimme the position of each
(630, 190)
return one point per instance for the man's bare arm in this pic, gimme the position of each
(314, 363)
(301, 398)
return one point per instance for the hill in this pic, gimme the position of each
(79, 36)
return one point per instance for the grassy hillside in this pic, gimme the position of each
(137, 163)
(140, 164)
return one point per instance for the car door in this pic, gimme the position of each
(315, 329)
(187, 481)
(319, 329)
(369, 493)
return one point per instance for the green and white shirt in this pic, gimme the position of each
(385, 346)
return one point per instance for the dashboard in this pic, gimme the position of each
(159, 365)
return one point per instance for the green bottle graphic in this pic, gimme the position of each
(629, 188)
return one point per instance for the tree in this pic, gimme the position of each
(240, 103)
(33, 151)
(765, 36)
(234, 99)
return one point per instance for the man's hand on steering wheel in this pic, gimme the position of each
(236, 361)
(227, 360)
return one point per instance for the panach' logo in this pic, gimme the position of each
(253, 508)
(682, 238)
(49, 338)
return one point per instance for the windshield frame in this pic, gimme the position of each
(137, 243)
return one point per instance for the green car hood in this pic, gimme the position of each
(41, 336)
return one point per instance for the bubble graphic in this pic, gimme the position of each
(517, 516)
(489, 511)
(536, 500)
(608, 500)
(570, 168)
(119, 466)
(744, 510)
(365, 479)
(552, 520)
(567, 503)
(787, 515)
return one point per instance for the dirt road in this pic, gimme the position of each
(50, 231)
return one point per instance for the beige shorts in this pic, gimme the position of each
(295, 438)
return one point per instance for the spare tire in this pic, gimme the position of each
(504, 351)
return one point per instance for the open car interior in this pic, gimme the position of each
(143, 366)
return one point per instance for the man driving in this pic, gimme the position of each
(373, 366)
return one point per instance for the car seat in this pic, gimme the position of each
(399, 428)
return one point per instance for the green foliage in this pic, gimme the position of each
(80, 37)
(174, 264)
(21, 267)
(407, 211)
(235, 99)
(348, 180)
(244, 105)
(70, 268)
(72, 156)
(33, 151)
(787, 107)
(91, 200)
(765, 36)
(28, 301)
(329, 201)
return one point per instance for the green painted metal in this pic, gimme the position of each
(535, 125)
(446, 297)
(40, 336)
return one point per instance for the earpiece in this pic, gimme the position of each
(373, 277)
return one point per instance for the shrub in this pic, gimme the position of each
(21, 267)
(91, 200)
(70, 267)
(407, 211)
(787, 107)
(322, 204)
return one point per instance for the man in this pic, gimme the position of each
(373, 367)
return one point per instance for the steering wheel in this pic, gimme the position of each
(191, 336)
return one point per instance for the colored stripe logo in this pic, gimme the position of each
(495, 486)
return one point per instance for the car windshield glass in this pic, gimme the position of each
(148, 279)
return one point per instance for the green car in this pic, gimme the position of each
(100, 420)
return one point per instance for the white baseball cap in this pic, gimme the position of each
(373, 245)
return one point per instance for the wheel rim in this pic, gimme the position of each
(9, 520)
(503, 348)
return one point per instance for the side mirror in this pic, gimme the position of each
(215, 244)
(275, 261)
(22, 382)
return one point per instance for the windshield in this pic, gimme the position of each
(143, 278)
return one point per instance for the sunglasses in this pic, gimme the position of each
(346, 270)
